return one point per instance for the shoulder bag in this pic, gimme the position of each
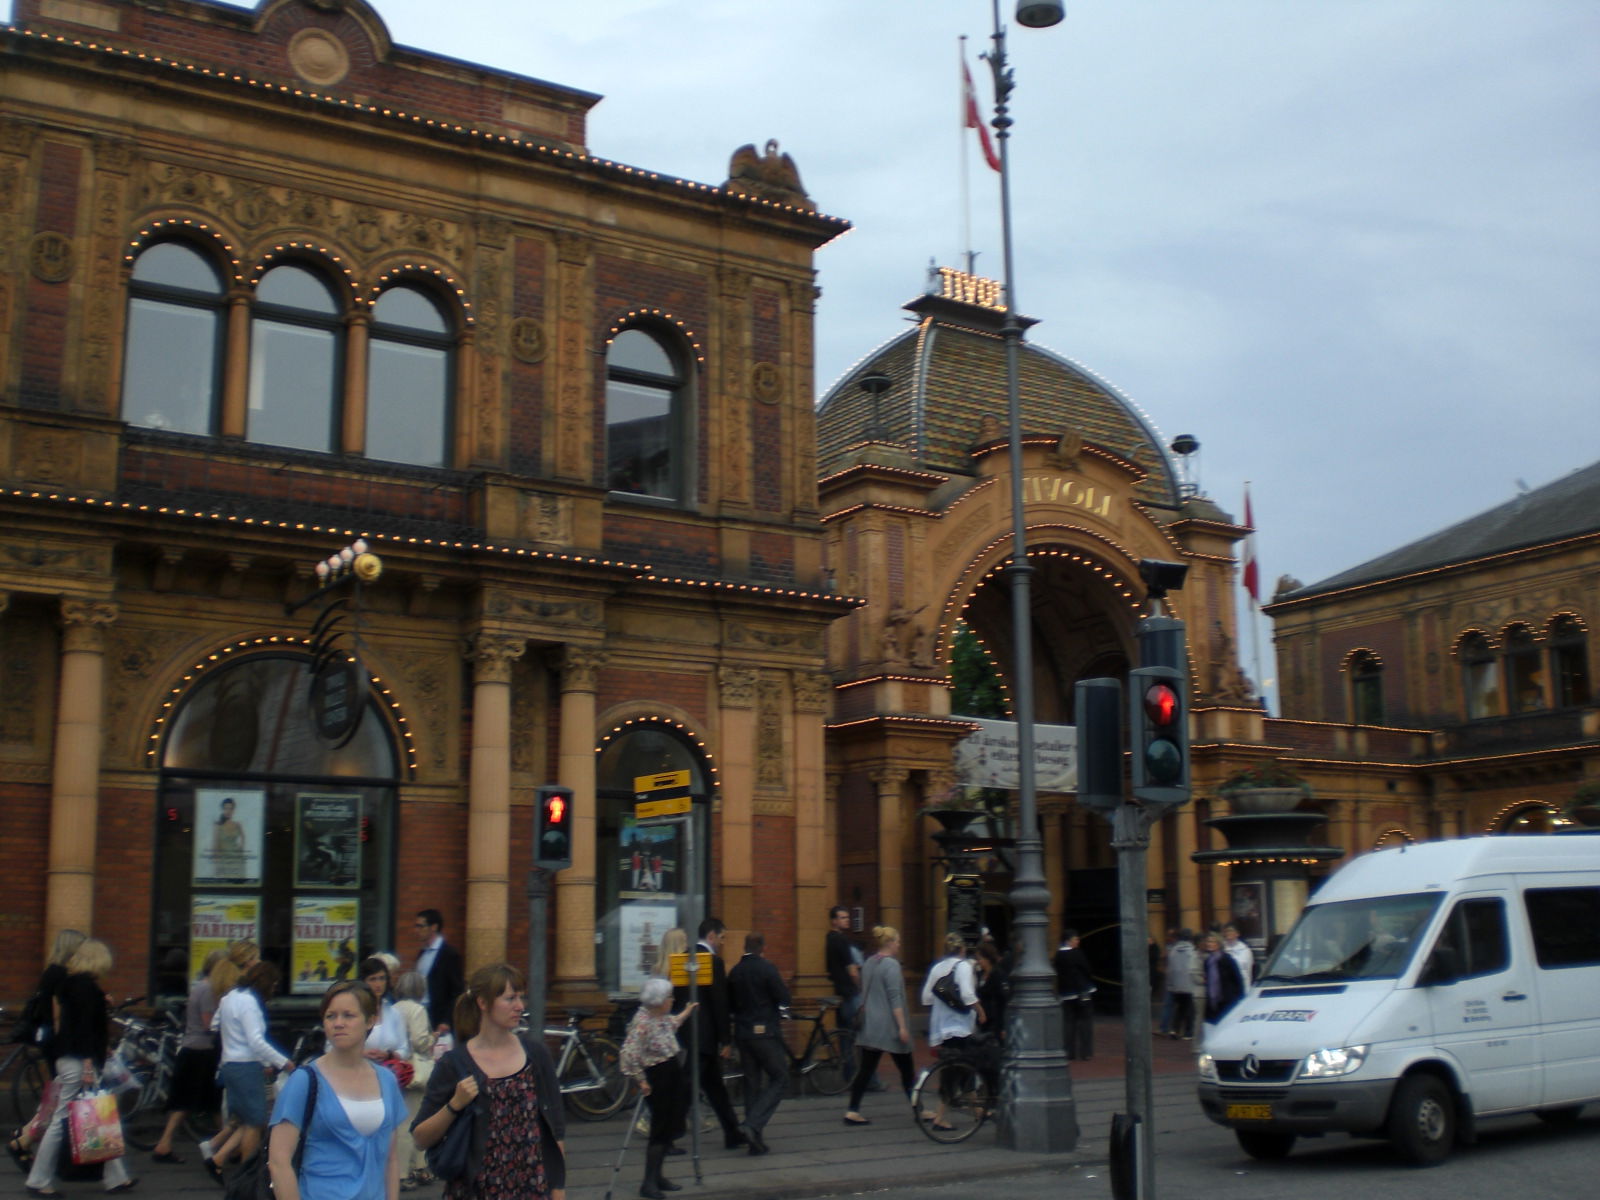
(450, 1157)
(253, 1181)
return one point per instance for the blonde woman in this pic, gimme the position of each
(884, 1027)
(673, 941)
(82, 1026)
(62, 949)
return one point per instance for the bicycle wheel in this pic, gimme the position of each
(951, 1101)
(593, 1083)
(144, 1115)
(833, 1064)
(28, 1079)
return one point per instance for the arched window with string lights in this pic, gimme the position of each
(649, 450)
(1524, 670)
(172, 359)
(1480, 676)
(410, 365)
(1569, 662)
(1366, 687)
(296, 360)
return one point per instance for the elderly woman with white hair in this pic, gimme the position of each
(650, 1057)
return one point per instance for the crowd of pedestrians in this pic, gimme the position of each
(406, 1072)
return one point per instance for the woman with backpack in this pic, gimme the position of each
(38, 1025)
(884, 1028)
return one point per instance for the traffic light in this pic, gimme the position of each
(1098, 705)
(552, 847)
(1158, 719)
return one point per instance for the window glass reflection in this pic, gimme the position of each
(172, 355)
(407, 387)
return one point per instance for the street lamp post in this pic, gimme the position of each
(1037, 1113)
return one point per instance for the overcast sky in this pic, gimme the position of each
(1350, 245)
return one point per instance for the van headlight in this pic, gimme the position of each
(1207, 1067)
(1325, 1064)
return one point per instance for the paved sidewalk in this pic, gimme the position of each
(813, 1153)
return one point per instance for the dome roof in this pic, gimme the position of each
(947, 378)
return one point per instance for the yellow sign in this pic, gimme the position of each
(666, 781)
(662, 808)
(678, 969)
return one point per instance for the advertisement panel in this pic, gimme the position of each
(324, 946)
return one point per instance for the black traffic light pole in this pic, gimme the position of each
(549, 856)
(1163, 660)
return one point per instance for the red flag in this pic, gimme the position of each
(1252, 578)
(969, 104)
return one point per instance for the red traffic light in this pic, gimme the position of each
(555, 810)
(1161, 704)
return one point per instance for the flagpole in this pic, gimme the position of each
(966, 183)
(1252, 590)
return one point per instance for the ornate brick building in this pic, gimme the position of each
(269, 282)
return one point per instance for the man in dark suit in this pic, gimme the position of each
(442, 966)
(712, 1021)
(758, 996)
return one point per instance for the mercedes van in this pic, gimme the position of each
(1423, 988)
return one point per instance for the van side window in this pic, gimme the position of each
(1474, 937)
(1566, 926)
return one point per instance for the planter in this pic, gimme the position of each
(955, 820)
(1265, 800)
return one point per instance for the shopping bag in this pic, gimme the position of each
(95, 1126)
(117, 1076)
(34, 1133)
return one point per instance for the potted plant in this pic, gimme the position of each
(1584, 807)
(1269, 787)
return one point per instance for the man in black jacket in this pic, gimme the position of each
(442, 966)
(712, 1021)
(758, 996)
(1075, 989)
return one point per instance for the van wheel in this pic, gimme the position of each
(1422, 1120)
(1258, 1143)
(1560, 1117)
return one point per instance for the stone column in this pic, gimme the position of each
(816, 880)
(736, 689)
(353, 418)
(75, 776)
(489, 797)
(575, 768)
(236, 366)
(891, 846)
(1185, 906)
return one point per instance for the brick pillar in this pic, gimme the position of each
(75, 777)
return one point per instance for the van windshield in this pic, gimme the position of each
(1373, 938)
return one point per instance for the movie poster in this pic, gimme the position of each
(641, 925)
(324, 947)
(227, 837)
(650, 860)
(216, 921)
(327, 841)
(1246, 912)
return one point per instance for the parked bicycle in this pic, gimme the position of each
(23, 1065)
(589, 1066)
(953, 1098)
(827, 1062)
(139, 1071)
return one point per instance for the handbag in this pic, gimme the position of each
(450, 1157)
(253, 1180)
(948, 991)
(401, 1069)
(95, 1126)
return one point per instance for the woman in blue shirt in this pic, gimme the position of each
(349, 1134)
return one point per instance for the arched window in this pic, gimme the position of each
(1524, 670)
(171, 366)
(296, 359)
(1569, 662)
(647, 428)
(1366, 688)
(408, 380)
(1480, 677)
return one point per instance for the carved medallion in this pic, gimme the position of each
(527, 339)
(766, 382)
(50, 257)
(318, 57)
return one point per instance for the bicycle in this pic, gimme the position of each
(589, 1067)
(827, 1062)
(139, 1070)
(953, 1097)
(25, 1063)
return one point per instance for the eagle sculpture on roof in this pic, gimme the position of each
(771, 176)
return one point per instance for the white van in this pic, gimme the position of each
(1424, 987)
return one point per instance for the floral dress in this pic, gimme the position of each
(513, 1159)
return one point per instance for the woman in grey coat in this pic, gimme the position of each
(884, 1028)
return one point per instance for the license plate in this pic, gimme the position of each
(1249, 1112)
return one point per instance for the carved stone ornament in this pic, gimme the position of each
(769, 175)
(766, 382)
(492, 656)
(580, 669)
(527, 339)
(50, 257)
(318, 57)
(84, 623)
(736, 686)
(812, 692)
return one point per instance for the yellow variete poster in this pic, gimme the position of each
(214, 921)
(324, 942)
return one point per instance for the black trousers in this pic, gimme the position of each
(716, 1093)
(766, 1076)
(668, 1100)
(869, 1060)
(1077, 1015)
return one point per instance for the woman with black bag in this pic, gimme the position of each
(884, 1027)
(39, 1026)
(502, 1089)
(82, 1034)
